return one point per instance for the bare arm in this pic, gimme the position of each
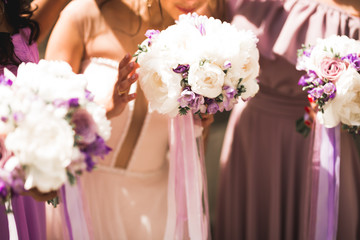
(46, 13)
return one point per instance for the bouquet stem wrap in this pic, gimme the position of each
(187, 197)
(325, 183)
(75, 215)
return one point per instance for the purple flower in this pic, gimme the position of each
(202, 30)
(316, 92)
(152, 33)
(85, 127)
(187, 98)
(354, 60)
(5, 81)
(73, 102)
(98, 148)
(17, 177)
(329, 88)
(4, 119)
(18, 116)
(197, 103)
(306, 79)
(182, 68)
(229, 92)
(227, 65)
(88, 95)
(3, 189)
(213, 108)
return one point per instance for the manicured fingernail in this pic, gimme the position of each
(310, 99)
(307, 123)
(307, 109)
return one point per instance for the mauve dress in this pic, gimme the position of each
(29, 214)
(265, 168)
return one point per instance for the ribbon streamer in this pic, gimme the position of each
(325, 184)
(187, 212)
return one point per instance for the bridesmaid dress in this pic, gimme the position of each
(265, 172)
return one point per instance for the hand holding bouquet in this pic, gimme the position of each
(51, 129)
(200, 64)
(332, 80)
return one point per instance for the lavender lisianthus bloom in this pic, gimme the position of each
(73, 102)
(329, 88)
(187, 97)
(353, 59)
(226, 65)
(152, 33)
(213, 107)
(89, 96)
(316, 92)
(98, 148)
(230, 92)
(85, 126)
(306, 79)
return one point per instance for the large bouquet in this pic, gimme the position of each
(333, 80)
(51, 130)
(199, 64)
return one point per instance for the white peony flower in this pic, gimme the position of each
(51, 80)
(206, 79)
(43, 144)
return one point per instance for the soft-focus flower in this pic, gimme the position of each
(332, 68)
(84, 126)
(98, 114)
(43, 144)
(353, 59)
(213, 108)
(316, 92)
(329, 88)
(206, 79)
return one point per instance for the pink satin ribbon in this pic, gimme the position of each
(187, 197)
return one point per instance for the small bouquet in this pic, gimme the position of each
(332, 80)
(51, 130)
(200, 64)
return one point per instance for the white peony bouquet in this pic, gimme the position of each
(332, 80)
(51, 130)
(199, 64)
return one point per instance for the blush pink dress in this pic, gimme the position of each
(131, 203)
(265, 172)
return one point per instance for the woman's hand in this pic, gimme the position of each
(121, 96)
(39, 196)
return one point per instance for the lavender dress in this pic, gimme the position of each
(265, 172)
(29, 214)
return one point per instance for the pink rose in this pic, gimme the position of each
(332, 68)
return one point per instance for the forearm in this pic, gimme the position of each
(46, 14)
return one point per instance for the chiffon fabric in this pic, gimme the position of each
(29, 214)
(265, 168)
(126, 203)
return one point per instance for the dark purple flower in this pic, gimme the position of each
(85, 127)
(213, 108)
(227, 65)
(353, 59)
(3, 189)
(316, 92)
(97, 148)
(182, 68)
(73, 102)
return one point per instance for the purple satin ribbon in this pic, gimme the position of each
(325, 183)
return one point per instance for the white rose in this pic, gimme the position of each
(160, 84)
(98, 114)
(251, 87)
(43, 144)
(206, 79)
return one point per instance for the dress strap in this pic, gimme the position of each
(139, 114)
